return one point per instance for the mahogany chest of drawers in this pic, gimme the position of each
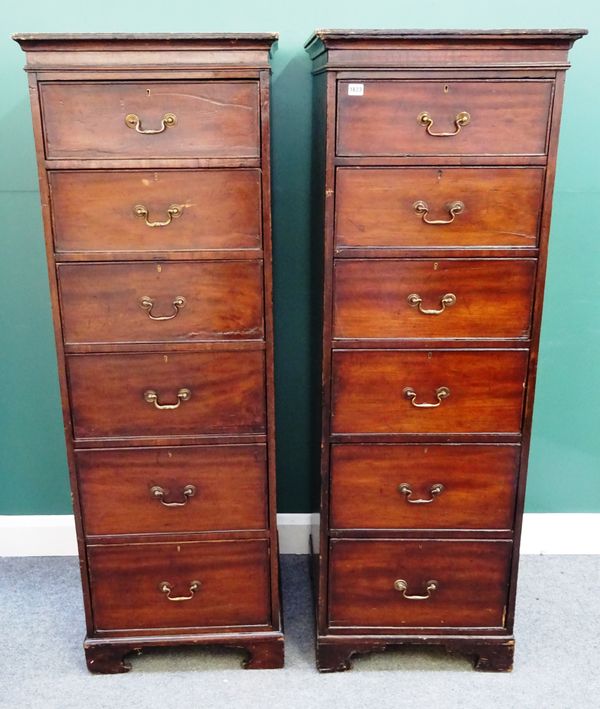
(154, 166)
(435, 161)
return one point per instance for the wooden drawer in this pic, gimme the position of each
(485, 387)
(183, 489)
(96, 211)
(209, 300)
(213, 119)
(375, 207)
(386, 298)
(471, 579)
(232, 577)
(506, 117)
(108, 394)
(423, 487)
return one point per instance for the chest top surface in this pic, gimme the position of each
(57, 52)
(508, 48)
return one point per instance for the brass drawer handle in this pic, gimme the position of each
(174, 211)
(152, 398)
(422, 208)
(446, 301)
(406, 490)
(441, 394)
(425, 119)
(133, 121)
(146, 303)
(159, 493)
(430, 587)
(166, 588)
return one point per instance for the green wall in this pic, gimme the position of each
(565, 455)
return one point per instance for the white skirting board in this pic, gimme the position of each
(543, 533)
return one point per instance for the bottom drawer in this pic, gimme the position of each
(180, 585)
(445, 584)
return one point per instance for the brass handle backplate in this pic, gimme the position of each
(441, 394)
(159, 493)
(406, 490)
(446, 301)
(167, 121)
(422, 209)
(152, 398)
(173, 212)
(430, 587)
(425, 119)
(166, 588)
(147, 303)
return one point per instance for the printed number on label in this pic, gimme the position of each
(356, 89)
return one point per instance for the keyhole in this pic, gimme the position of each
(147, 92)
(445, 88)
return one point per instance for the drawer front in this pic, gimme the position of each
(382, 207)
(423, 487)
(471, 580)
(183, 489)
(505, 118)
(111, 395)
(387, 298)
(213, 119)
(376, 391)
(96, 211)
(128, 591)
(164, 302)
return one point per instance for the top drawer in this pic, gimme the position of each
(385, 118)
(208, 119)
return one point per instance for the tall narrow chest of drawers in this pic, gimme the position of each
(436, 157)
(154, 166)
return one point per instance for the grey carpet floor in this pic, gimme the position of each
(557, 653)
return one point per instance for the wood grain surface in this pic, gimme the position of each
(471, 578)
(506, 117)
(116, 488)
(213, 119)
(233, 584)
(94, 210)
(101, 303)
